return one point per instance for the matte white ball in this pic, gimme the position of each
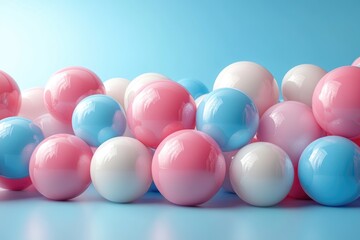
(252, 79)
(261, 174)
(137, 83)
(121, 169)
(299, 83)
(115, 88)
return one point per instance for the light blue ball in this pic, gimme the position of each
(229, 116)
(18, 139)
(329, 171)
(98, 118)
(195, 87)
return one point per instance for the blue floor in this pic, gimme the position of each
(27, 215)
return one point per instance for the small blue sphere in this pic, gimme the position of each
(329, 171)
(195, 87)
(98, 118)
(18, 139)
(229, 116)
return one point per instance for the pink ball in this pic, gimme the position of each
(67, 87)
(160, 109)
(60, 167)
(291, 126)
(356, 63)
(10, 96)
(51, 126)
(14, 184)
(188, 167)
(32, 103)
(336, 102)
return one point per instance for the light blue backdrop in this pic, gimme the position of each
(185, 38)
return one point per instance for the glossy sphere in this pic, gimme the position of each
(138, 83)
(32, 103)
(10, 96)
(261, 174)
(121, 169)
(195, 87)
(15, 184)
(356, 63)
(60, 167)
(116, 88)
(299, 83)
(291, 126)
(254, 80)
(188, 167)
(160, 109)
(18, 139)
(229, 116)
(229, 156)
(67, 87)
(336, 102)
(329, 171)
(199, 100)
(51, 126)
(98, 118)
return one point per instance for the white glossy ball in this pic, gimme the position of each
(121, 169)
(299, 83)
(32, 103)
(115, 88)
(137, 83)
(252, 79)
(261, 174)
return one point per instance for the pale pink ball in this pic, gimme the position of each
(116, 88)
(32, 103)
(356, 63)
(159, 109)
(188, 167)
(51, 126)
(60, 167)
(291, 126)
(67, 87)
(10, 96)
(336, 102)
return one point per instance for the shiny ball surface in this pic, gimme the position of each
(116, 88)
(195, 87)
(32, 103)
(10, 96)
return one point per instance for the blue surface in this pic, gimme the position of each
(180, 39)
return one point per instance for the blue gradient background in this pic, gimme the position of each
(179, 39)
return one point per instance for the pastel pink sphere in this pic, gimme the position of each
(60, 167)
(356, 63)
(160, 109)
(291, 126)
(14, 184)
(51, 126)
(32, 103)
(10, 96)
(188, 168)
(336, 102)
(67, 87)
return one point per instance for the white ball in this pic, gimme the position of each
(299, 83)
(252, 79)
(115, 88)
(49, 125)
(121, 169)
(261, 174)
(32, 103)
(137, 83)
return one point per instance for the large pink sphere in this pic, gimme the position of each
(336, 102)
(291, 126)
(32, 103)
(67, 87)
(188, 167)
(10, 96)
(60, 167)
(356, 63)
(160, 109)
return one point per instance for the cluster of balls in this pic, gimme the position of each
(123, 135)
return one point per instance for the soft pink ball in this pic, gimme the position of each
(291, 126)
(51, 126)
(336, 102)
(67, 87)
(188, 167)
(60, 167)
(32, 103)
(10, 96)
(158, 110)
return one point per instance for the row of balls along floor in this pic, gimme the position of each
(123, 135)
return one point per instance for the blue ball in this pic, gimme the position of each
(195, 87)
(229, 116)
(98, 118)
(18, 139)
(329, 171)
